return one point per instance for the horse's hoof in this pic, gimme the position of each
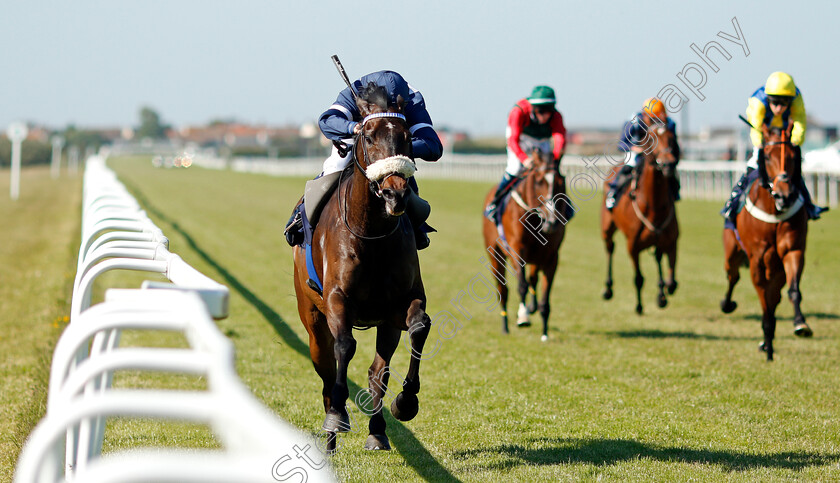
(662, 302)
(332, 438)
(505, 330)
(672, 287)
(405, 406)
(761, 347)
(523, 323)
(544, 338)
(377, 442)
(608, 293)
(336, 422)
(728, 306)
(639, 309)
(532, 306)
(802, 330)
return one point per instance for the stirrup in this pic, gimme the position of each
(294, 230)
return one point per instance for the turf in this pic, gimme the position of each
(676, 394)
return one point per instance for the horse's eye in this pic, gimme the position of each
(368, 139)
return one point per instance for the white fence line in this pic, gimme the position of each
(706, 180)
(66, 444)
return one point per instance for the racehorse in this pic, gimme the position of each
(646, 214)
(771, 233)
(533, 227)
(364, 253)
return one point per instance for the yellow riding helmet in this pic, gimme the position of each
(654, 107)
(780, 84)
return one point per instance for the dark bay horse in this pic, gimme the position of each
(364, 252)
(771, 235)
(646, 214)
(534, 224)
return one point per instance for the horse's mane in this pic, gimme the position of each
(375, 94)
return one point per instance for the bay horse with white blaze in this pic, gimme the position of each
(647, 214)
(364, 251)
(771, 233)
(532, 229)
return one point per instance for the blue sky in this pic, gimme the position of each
(94, 63)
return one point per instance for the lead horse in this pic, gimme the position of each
(364, 251)
(771, 232)
(532, 229)
(646, 214)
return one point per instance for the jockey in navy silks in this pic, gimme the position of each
(342, 121)
(633, 136)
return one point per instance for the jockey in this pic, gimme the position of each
(775, 104)
(341, 122)
(533, 122)
(632, 139)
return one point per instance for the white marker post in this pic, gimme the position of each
(55, 167)
(17, 132)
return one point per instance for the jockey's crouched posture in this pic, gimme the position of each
(775, 104)
(632, 138)
(532, 123)
(340, 123)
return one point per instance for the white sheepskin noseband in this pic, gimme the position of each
(391, 165)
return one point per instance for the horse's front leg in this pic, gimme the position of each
(638, 279)
(533, 277)
(522, 313)
(661, 300)
(732, 265)
(671, 284)
(548, 271)
(794, 265)
(609, 245)
(387, 339)
(339, 318)
(405, 405)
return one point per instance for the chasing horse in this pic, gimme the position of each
(359, 267)
(525, 215)
(646, 214)
(529, 229)
(770, 234)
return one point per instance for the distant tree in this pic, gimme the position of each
(82, 138)
(150, 125)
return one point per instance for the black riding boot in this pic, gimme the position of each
(294, 228)
(730, 209)
(813, 210)
(617, 184)
(501, 190)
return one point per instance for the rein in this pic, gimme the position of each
(641, 216)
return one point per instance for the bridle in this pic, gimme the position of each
(403, 166)
(782, 176)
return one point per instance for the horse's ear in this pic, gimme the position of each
(765, 132)
(400, 103)
(789, 130)
(364, 106)
(762, 168)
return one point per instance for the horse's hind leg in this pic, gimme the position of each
(387, 340)
(794, 264)
(732, 265)
(405, 406)
(671, 284)
(661, 300)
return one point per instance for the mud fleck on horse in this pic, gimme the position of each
(771, 234)
(363, 250)
(533, 225)
(646, 214)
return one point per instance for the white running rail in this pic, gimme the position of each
(66, 445)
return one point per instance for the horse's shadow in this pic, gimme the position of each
(412, 450)
(605, 452)
(823, 316)
(658, 334)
